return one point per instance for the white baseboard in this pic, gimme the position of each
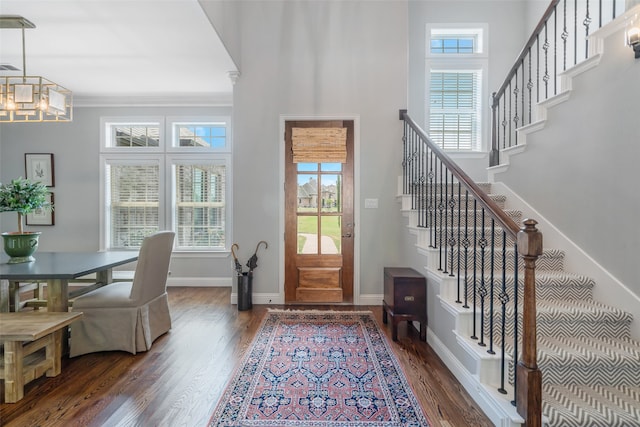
(265, 298)
(498, 409)
(268, 298)
(370, 299)
(200, 282)
(256, 298)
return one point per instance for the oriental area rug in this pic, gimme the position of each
(319, 369)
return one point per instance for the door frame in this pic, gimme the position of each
(356, 198)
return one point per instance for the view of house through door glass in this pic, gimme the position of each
(319, 208)
(319, 212)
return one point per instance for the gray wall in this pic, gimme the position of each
(316, 59)
(76, 147)
(502, 17)
(360, 59)
(578, 172)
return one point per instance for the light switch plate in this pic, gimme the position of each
(371, 203)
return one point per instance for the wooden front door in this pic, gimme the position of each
(319, 227)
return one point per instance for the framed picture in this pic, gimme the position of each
(39, 167)
(42, 216)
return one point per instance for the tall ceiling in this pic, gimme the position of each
(127, 49)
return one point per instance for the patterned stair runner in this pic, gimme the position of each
(590, 365)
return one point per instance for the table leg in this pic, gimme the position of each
(14, 295)
(13, 376)
(53, 352)
(4, 295)
(58, 300)
(58, 295)
(394, 327)
(104, 277)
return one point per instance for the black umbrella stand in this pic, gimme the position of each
(245, 278)
(245, 285)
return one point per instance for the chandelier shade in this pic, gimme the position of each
(31, 98)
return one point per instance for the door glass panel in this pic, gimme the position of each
(307, 234)
(307, 167)
(330, 167)
(331, 235)
(307, 192)
(331, 191)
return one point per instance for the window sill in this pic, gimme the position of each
(200, 254)
(467, 154)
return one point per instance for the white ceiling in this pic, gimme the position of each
(160, 49)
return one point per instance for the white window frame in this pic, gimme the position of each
(171, 133)
(106, 136)
(190, 159)
(166, 156)
(439, 62)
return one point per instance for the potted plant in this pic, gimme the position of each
(22, 196)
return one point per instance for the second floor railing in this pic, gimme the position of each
(480, 245)
(558, 42)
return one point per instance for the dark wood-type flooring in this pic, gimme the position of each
(179, 381)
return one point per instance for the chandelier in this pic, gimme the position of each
(31, 98)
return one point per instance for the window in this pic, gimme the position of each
(456, 62)
(133, 203)
(454, 103)
(199, 207)
(178, 183)
(452, 44)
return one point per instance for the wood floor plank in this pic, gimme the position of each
(179, 381)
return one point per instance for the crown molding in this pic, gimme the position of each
(204, 100)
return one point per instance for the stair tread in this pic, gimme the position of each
(580, 310)
(587, 351)
(591, 343)
(583, 405)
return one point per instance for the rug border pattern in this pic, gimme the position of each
(224, 415)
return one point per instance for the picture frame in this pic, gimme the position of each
(42, 216)
(39, 167)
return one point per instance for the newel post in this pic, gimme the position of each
(494, 156)
(529, 377)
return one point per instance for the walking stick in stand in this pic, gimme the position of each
(253, 261)
(238, 266)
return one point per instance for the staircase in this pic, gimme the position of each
(475, 259)
(590, 364)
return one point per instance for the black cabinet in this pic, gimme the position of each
(405, 299)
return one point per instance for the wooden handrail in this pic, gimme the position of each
(525, 50)
(498, 214)
(528, 385)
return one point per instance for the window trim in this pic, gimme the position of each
(106, 124)
(477, 145)
(479, 30)
(170, 206)
(165, 155)
(171, 121)
(438, 62)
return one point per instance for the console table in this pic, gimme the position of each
(405, 299)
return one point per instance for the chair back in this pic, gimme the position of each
(150, 279)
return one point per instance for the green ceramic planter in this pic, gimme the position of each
(20, 247)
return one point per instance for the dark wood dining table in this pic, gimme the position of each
(58, 269)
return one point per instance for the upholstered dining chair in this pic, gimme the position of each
(127, 316)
